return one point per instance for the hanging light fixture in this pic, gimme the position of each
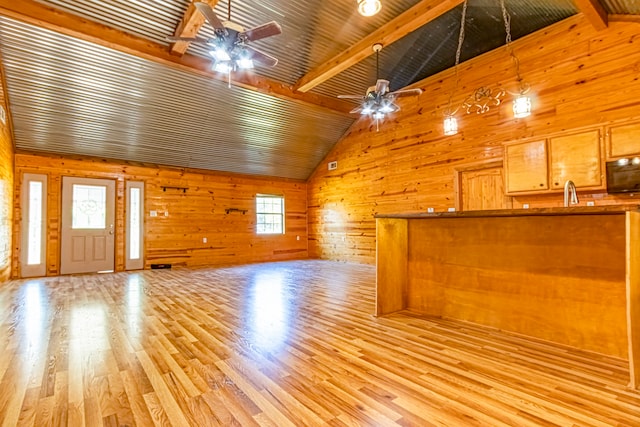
(369, 7)
(522, 102)
(450, 121)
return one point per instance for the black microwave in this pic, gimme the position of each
(623, 176)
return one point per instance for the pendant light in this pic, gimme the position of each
(450, 121)
(522, 102)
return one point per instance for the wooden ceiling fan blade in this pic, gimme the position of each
(261, 57)
(360, 97)
(209, 15)
(406, 92)
(263, 31)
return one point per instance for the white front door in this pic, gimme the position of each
(88, 225)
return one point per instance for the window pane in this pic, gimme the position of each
(270, 215)
(134, 223)
(34, 245)
(89, 207)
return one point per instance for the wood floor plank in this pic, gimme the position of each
(290, 343)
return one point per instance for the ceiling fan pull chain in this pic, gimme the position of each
(229, 11)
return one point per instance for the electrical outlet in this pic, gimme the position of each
(204, 240)
(153, 213)
(297, 237)
(525, 206)
(451, 209)
(591, 203)
(332, 166)
(430, 210)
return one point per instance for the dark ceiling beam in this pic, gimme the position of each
(62, 22)
(189, 26)
(594, 12)
(420, 14)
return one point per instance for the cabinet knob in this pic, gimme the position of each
(541, 185)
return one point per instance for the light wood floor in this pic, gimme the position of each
(278, 344)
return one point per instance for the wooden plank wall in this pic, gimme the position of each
(6, 201)
(199, 212)
(579, 78)
(6, 189)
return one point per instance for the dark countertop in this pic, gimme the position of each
(580, 210)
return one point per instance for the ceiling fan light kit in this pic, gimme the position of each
(369, 7)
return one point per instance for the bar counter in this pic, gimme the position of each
(567, 275)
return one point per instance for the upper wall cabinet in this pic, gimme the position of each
(526, 167)
(539, 166)
(624, 140)
(577, 158)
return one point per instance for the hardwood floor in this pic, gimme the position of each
(280, 344)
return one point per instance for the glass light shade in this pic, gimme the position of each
(521, 106)
(369, 7)
(220, 54)
(378, 115)
(222, 67)
(244, 63)
(450, 126)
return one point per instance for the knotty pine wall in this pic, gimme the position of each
(197, 213)
(579, 78)
(6, 201)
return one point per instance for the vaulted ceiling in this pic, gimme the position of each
(98, 78)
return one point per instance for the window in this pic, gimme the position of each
(270, 214)
(134, 228)
(34, 191)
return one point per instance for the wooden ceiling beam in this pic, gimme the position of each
(414, 18)
(189, 26)
(38, 14)
(594, 12)
(624, 18)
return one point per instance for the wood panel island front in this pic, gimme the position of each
(567, 275)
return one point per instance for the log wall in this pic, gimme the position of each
(199, 212)
(579, 78)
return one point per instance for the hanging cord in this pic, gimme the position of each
(460, 41)
(229, 11)
(516, 62)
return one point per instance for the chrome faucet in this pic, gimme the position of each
(570, 188)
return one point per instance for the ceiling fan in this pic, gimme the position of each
(378, 101)
(230, 44)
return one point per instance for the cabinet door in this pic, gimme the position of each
(576, 158)
(624, 140)
(526, 167)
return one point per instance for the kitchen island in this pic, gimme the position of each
(567, 275)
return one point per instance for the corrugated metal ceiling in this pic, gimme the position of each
(71, 96)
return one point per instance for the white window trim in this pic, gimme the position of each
(134, 264)
(283, 214)
(33, 270)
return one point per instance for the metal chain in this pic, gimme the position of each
(458, 50)
(507, 27)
